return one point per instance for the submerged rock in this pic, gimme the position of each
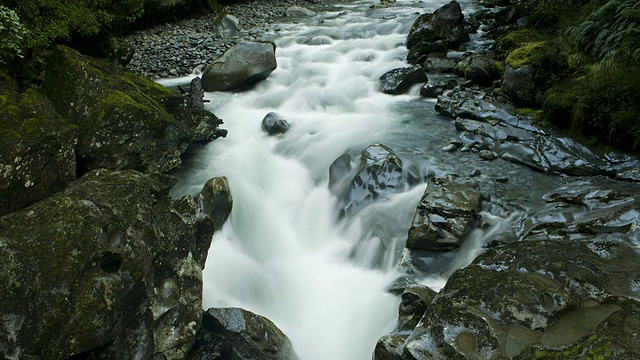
(233, 333)
(109, 268)
(124, 120)
(241, 66)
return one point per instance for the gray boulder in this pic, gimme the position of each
(241, 66)
(124, 121)
(274, 124)
(37, 148)
(109, 268)
(298, 11)
(446, 212)
(233, 333)
(435, 33)
(399, 81)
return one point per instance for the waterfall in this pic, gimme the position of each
(284, 252)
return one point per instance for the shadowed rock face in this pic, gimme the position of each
(242, 65)
(108, 268)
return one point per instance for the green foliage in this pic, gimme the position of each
(49, 21)
(12, 34)
(612, 31)
(604, 103)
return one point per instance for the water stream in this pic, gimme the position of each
(284, 252)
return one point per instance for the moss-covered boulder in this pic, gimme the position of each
(479, 69)
(530, 70)
(109, 268)
(124, 120)
(37, 147)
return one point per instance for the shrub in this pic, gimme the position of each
(12, 34)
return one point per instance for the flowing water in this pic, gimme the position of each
(285, 253)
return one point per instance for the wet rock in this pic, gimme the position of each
(378, 174)
(399, 81)
(502, 179)
(233, 333)
(216, 200)
(488, 155)
(109, 268)
(299, 11)
(274, 124)
(241, 66)
(479, 69)
(37, 148)
(450, 148)
(442, 29)
(124, 120)
(531, 297)
(439, 65)
(432, 90)
(446, 212)
(389, 347)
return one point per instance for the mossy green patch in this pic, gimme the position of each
(528, 53)
(515, 39)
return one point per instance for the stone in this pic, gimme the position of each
(298, 11)
(450, 148)
(241, 66)
(479, 69)
(216, 200)
(488, 155)
(124, 121)
(274, 124)
(233, 333)
(109, 268)
(445, 214)
(399, 81)
(37, 148)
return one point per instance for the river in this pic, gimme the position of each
(285, 252)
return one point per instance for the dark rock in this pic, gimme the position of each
(502, 179)
(488, 155)
(37, 148)
(216, 200)
(124, 120)
(479, 69)
(450, 148)
(232, 333)
(399, 81)
(445, 25)
(439, 65)
(109, 268)
(431, 90)
(241, 66)
(274, 124)
(445, 214)
(389, 347)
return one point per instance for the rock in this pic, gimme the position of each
(445, 214)
(37, 147)
(479, 69)
(378, 174)
(439, 65)
(488, 155)
(399, 81)
(124, 120)
(443, 29)
(529, 70)
(450, 148)
(431, 90)
(274, 124)
(299, 11)
(228, 25)
(233, 333)
(389, 347)
(502, 179)
(216, 200)
(109, 268)
(535, 299)
(241, 66)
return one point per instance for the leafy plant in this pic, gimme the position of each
(12, 32)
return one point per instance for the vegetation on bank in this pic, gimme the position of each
(599, 96)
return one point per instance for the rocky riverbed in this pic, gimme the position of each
(176, 49)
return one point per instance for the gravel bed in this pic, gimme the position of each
(176, 49)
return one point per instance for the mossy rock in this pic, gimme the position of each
(530, 53)
(36, 147)
(125, 121)
(515, 39)
(105, 269)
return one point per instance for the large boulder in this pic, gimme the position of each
(124, 121)
(399, 81)
(433, 33)
(377, 174)
(233, 333)
(529, 71)
(445, 214)
(242, 65)
(109, 268)
(479, 69)
(37, 147)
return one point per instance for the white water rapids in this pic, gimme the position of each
(284, 253)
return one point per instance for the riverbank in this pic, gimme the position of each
(196, 42)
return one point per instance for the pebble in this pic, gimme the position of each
(450, 148)
(503, 179)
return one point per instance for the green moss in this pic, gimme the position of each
(528, 53)
(515, 39)
(591, 348)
